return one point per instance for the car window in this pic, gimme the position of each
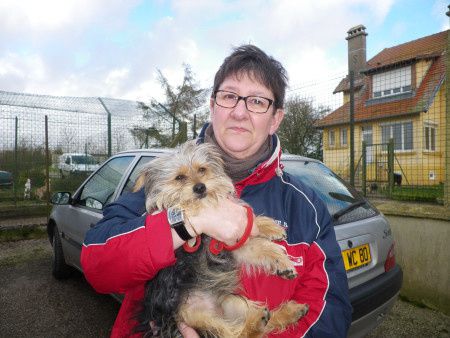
(129, 186)
(334, 191)
(98, 191)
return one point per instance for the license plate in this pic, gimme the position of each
(356, 257)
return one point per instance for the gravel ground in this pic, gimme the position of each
(34, 304)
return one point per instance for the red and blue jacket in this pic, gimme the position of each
(128, 247)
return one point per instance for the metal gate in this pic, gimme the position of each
(377, 168)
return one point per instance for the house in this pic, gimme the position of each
(399, 94)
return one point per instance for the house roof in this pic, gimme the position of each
(427, 47)
(366, 109)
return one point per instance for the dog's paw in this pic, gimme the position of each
(294, 311)
(266, 316)
(302, 310)
(269, 229)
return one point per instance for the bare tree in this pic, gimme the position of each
(68, 138)
(297, 132)
(118, 139)
(178, 108)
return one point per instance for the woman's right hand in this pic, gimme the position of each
(187, 332)
(226, 222)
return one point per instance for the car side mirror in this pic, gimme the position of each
(61, 198)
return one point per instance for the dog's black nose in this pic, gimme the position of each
(199, 188)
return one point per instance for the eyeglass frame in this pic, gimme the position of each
(244, 98)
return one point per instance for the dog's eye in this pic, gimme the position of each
(180, 177)
(201, 170)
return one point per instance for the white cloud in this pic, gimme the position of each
(438, 10)
(70, 47)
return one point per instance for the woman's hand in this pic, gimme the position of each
(225, 223)
(187, 332)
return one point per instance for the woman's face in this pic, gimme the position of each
(239, 132)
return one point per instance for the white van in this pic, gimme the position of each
(71, 163)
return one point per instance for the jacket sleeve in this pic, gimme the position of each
(322, 281)
(126, 248)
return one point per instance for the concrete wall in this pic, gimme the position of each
(423, 252)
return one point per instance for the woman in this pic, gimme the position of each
(126, 248)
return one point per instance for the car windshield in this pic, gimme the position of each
(83, 159)
(343, 202)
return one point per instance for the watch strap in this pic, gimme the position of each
(176, 221)
(181, 230)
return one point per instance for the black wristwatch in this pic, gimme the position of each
(176, 221)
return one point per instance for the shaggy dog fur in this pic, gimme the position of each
(202, 289)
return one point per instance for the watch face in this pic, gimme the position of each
(174, 216)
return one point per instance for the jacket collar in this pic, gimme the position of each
(263, 172)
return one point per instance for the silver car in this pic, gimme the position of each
(363, 233)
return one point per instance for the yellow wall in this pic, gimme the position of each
(421, 69)
(415, 165)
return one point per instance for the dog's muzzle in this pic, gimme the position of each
(200, 190)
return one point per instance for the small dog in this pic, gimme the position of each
(41, 193)
(201, 289)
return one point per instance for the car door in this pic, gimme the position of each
(89, 201)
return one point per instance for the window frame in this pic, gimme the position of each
(331, 138)
(431, 137)
(403, 136)
(342, 138)
(392, 82)
(137, 165)
(119, 184)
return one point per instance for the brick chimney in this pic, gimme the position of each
(356, 49)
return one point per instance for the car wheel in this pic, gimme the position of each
(60, 269)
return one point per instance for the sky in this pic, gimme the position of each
(113, 48)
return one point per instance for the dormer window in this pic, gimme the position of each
(393, 82)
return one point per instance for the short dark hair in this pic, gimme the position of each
(250, 60)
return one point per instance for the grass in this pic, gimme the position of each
(23, 233)
(23, 209)
(433, 193)
(34, 207)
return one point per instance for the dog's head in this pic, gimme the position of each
(191, 178)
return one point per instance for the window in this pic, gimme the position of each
(344, 137)
(98, 191)
(331, 138)
(392, 82)
(401, 132)
(430, 137)
(135, 173)
(336, 193)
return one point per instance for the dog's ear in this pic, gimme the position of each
(214, 157)
(150, 177)
(139, 182)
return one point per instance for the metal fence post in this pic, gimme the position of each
(109, 126)
(47, 168)
(447, 124)
(194, 128)
(363, 168)
(352, 130)
(16, 171)
(391, 166)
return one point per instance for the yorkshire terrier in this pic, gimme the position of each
(202, 288)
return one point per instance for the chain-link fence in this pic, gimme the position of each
(391, 135)
(384, 127)
(51, 143)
